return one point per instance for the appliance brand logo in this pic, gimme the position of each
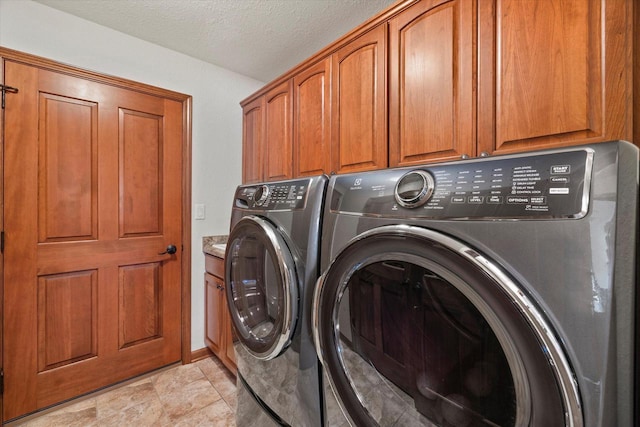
(357, 184)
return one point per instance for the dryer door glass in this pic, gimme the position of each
(412, 333)
(261, 291)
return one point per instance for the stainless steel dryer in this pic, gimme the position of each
(271, 269)
(489, 292)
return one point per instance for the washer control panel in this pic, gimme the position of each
(547, 185)
(289, 195)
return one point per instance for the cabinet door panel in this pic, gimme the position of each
(252, 141)
(431, 78)
(278, 140)
(213, 312)
(560, 73)
(358, 111)
(312, 120)
(230, 353)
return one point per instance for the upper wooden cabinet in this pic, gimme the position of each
(252, 141)
(358, 115)
(553, 73)
(436, 80)
(267, 140)
(312, 120)
(278, 139)
(431, 83)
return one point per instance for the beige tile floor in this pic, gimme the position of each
(199, 394)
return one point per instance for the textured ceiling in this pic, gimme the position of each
(258, 38)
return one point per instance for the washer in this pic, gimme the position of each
(491, 292)
(271, 267)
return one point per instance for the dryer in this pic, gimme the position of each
(496, 291)
(271, 267)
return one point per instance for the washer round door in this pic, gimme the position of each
(416, 328)
(261, 284)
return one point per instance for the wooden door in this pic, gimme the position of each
(2, 81)
(312, 120)
(93, 196)
(359, 117)
(431, 83)
(252, 141)
(553, 73)
(278, 143)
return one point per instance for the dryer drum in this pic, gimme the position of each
(414, 327)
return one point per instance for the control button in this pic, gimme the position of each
(517, 199)
(560, 179)
(560, 169)
(261, 195)
(561, 190)
(494, 200)
(457, 199)
(475, 200)
(414, 189)
(538, 200)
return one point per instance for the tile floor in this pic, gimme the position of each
(199, 394)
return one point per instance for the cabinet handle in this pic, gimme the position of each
(464, 156)
(484, 154)
(219, 287)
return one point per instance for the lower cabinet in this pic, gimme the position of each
(218, 333)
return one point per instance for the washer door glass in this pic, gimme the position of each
(414, 328)
(261, 287)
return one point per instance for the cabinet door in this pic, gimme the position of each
(252, 141)
(214, 312)
(358, 88)
(229, 339)
(278, 139)
(312, 120)
(553, 72)
(431, 83)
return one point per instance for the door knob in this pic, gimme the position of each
(171, 249)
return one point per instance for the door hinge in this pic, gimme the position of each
(1, 242)
(1, 381)
(4, 89)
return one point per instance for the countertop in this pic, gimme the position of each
(214, 245)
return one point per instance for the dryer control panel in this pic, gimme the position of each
(547, 185)
(284, 195)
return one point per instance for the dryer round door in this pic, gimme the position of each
(262, 292)
(416, 328)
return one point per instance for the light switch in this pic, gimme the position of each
(200, 211)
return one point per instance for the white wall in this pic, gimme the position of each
(33, 28)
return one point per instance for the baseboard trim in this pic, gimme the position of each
(200, 354)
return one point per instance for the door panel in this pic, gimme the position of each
(552, 73)
(140, 166)
(93, 178)
(253, 141)
(214, 313)
(359, 125)
(67, 175)
(312, 120)
(67, 318)
(278, 143)
(430, 83)
(139, 305)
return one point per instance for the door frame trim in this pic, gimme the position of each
(186, 102)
